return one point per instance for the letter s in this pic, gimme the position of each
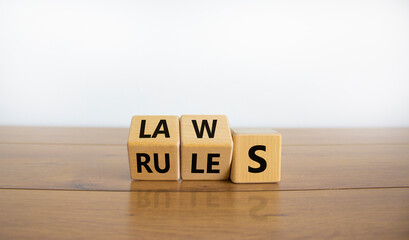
(260, 160)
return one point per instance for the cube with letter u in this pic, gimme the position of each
(153, 148)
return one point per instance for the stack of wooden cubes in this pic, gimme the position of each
(202, 147)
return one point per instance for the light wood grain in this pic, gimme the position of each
(327, 214)
(256, 156)
(64, 135)
(206, 151)
(153, 148)
(344, 136)
(307, 204)
(85, 167)
(119, 136)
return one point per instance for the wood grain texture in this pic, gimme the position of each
(256, 156)
(64, 135)
(324, 192)
(119, 136)
(326, 214)
(206, 147)
(153, 148)
(88, 167)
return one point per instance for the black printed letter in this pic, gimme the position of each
(205, 124)
(260, 160)
(164, 131)
(142, 132)
(167, 164)
(194, 164)
(210, 162)
(139, 162)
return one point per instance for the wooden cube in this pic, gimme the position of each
(153, 148)
(256, 155)
(207, 146)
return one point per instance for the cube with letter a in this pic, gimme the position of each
(256, 155)
(206, 147)
(153, 148)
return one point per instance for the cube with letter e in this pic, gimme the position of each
(206, 147)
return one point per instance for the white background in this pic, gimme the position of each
(262, 63)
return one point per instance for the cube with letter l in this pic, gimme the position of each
(153, 148)
(206, 147)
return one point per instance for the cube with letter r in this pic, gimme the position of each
(153, 148)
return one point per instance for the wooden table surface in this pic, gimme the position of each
(73, 183)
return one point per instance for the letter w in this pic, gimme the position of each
(204, 125)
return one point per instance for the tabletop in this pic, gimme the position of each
(74, 183)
